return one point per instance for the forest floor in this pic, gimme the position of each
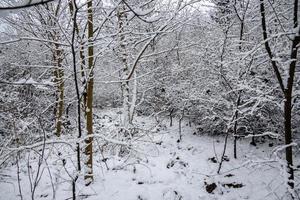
(157, 167)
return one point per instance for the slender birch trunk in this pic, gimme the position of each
(122, 22)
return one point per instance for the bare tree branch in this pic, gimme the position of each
(29, 4)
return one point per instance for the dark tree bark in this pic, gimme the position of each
(89, 101)
(288, 90)
(74, 17)
(236, 115)
(171, 117)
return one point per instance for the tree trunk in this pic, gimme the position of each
(122, 20)
(288, 136)
(126, 107)
(288, 108)
(89, 101)
(180, 126)
(287, 91)
(171, 117)
(81, 52)
(59, 83)
(236, 115)
(134, 98)
(57, 53)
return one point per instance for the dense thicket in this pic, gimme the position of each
(228, 68)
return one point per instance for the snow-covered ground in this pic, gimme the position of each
(157, 167)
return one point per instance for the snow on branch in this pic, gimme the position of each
(268, 133)
(25, 4)
(35, 39)
(283, 147)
